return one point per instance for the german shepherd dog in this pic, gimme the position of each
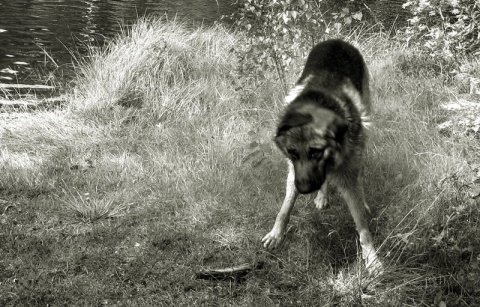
(322, 134)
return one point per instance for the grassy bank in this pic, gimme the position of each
(162, 164)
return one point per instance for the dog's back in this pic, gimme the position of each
(339, 59)
(336, 67)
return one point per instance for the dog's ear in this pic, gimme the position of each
(291, 120)
(338, 129)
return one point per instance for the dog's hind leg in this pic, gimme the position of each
(352, 192)
(275, 236)
(321, 198)
(360, 186)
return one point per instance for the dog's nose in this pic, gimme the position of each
(304, 186)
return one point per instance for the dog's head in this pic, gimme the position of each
(313, 138)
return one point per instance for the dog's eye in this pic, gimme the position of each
(293, 153)
(315, 153)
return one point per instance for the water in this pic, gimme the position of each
(43, 37)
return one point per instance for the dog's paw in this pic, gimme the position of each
(374, 266)
(321, 201)
(272, 239)
(367, 208)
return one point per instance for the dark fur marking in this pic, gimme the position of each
(293, 119)
(337, 59)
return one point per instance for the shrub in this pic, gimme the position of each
(278, 31)
(444, 28)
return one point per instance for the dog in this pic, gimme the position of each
(322, 132)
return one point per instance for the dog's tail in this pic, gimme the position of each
(366, 120)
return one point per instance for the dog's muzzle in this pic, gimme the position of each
(309, 184)
(309, 177)
(305, 186)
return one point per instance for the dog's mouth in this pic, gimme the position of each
(306, 187)
(302, 190)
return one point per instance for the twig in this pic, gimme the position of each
(26, 86)
(235, 272)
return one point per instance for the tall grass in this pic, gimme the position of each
(165, 71)
(163, 163)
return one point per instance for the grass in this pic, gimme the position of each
(162, 164)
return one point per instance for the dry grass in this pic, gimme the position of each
(163, 164)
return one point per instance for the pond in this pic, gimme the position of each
(40, 37)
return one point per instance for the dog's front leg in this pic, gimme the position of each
(321, 199)
(275, 236)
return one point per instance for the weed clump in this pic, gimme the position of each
(160, 69)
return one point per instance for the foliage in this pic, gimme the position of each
(278, 31)
(444, 27)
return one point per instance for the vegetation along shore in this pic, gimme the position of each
(160, 164)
